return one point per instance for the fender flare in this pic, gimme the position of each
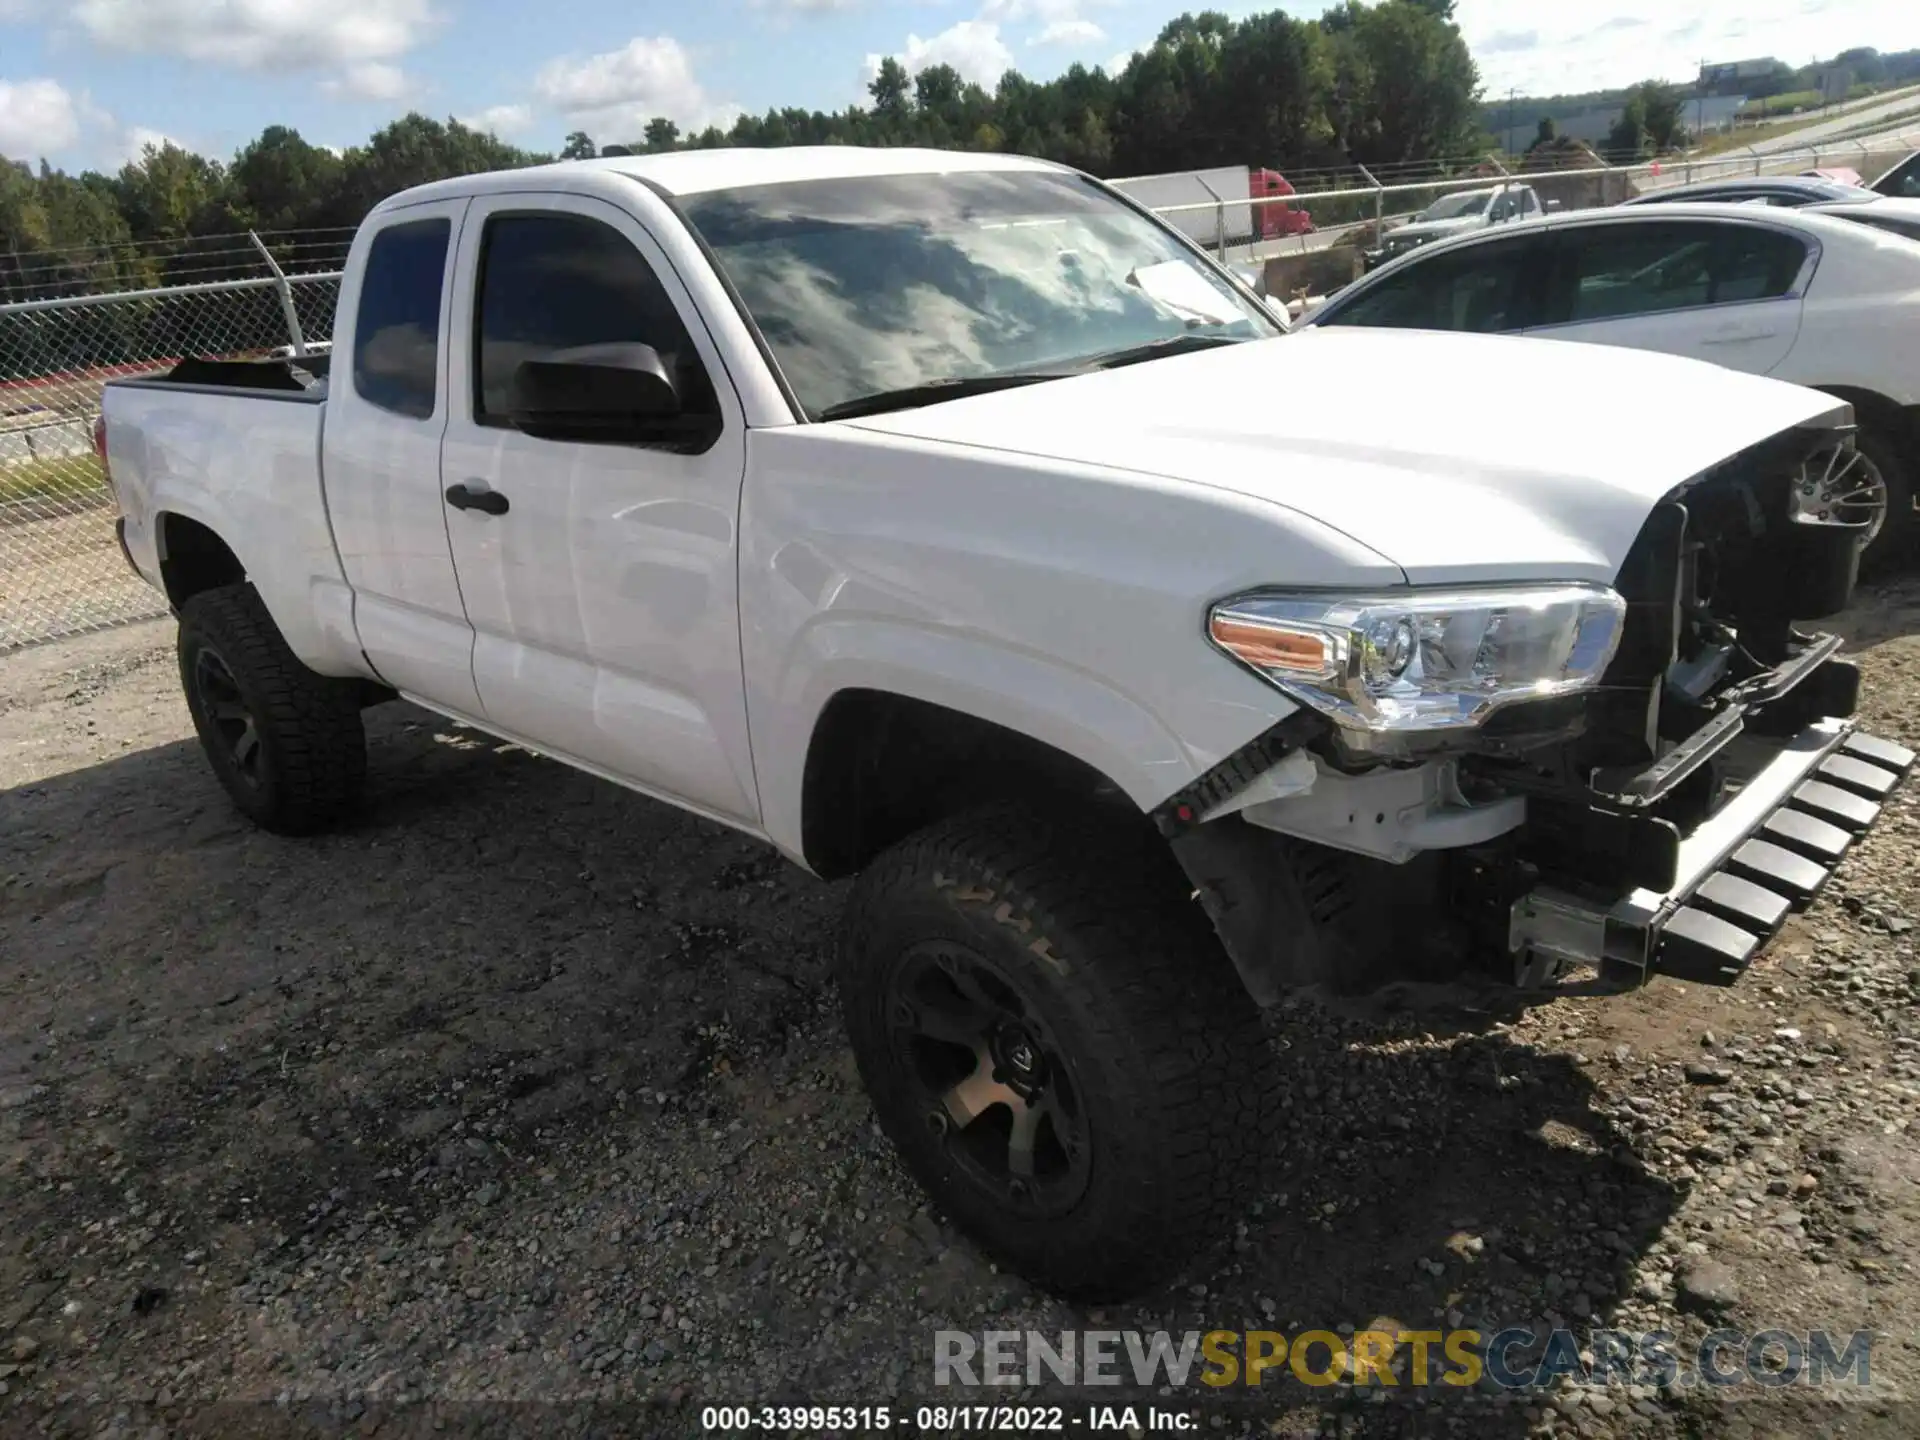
(1038, 696)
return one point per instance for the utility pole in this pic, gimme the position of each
(1511, 92)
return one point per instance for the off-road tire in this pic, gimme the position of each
(1178, 1082)
(309, 760)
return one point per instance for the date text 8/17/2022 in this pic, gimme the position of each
(944, 1419)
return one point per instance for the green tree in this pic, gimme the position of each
(661, 134)
(1627, 137)
(280, 182)
(1424, 87)
(1664, 115)
(890, 90)
(579, 146)
(166, 190)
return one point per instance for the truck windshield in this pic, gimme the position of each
(869, 286)
(1452, 207)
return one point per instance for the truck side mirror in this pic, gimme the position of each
(610, 393)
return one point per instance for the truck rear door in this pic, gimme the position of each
(387, 409)
(600, 578)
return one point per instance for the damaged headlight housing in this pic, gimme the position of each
(1419, 660)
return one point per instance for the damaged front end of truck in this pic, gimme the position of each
(1560, 783)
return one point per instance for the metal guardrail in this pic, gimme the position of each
(1382, 198)
(61, 572)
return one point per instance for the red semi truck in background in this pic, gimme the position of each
(1222, 199)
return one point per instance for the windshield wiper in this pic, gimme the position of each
(931, 392)
(1156, 349)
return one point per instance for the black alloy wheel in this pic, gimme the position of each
(995, 1086)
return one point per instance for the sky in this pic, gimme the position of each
(87, 83)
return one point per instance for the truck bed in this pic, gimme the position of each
(275, 377)
(233, 446)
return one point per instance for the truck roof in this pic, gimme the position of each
(692, 172)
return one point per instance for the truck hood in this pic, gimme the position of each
(1457, 457)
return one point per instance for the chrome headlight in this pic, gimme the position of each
(1424, 660)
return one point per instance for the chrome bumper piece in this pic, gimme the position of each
(1765, 853)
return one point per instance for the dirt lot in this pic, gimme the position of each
(522, 1105)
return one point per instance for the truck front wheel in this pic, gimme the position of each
(286, 744)
(1057, 1046)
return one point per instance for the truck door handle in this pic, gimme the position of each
(488, 502)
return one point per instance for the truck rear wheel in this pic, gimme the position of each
(1057, 1046)
(286, 744)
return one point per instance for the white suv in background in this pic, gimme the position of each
(1808, 298)
(1460, 213)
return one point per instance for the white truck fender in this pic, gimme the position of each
(246, 470)
(1036, 696)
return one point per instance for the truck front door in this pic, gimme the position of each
(600, 578)
(385, 417)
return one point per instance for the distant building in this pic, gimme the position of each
(1710, 113)
(1714, 78)
(1589, 126)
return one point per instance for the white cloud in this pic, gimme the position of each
(260, 34)
(1051, 11)
(1069, 32)
(616, 92)
(37, 117)
(499, 119)
(1120, 61)
(359, 39)
(795, 7)
(372, 80)
(973, 47)
(1543, 50)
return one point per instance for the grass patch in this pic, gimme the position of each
(1781, 104)
(71, 477)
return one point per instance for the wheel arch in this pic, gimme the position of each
(881, 764)
(193, 557)
(1872, 409)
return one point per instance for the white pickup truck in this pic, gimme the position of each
(948, 521)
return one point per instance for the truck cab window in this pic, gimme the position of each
(396, 330)
(553, 281)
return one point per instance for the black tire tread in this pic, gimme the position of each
(318, 741)
(1173, 999)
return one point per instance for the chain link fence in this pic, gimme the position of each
(61, 571)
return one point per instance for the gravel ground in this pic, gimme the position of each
(523, 1104)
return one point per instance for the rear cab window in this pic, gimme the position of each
(396, 328)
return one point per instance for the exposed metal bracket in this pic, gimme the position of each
(1389, 814)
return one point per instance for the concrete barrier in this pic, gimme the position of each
(55, 440)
